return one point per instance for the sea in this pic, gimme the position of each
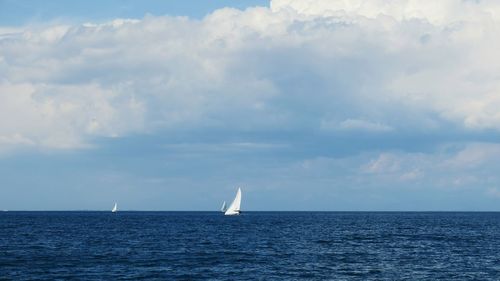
(252, 246)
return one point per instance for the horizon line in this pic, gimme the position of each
(270, 211)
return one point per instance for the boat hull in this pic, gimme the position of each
(234, 213)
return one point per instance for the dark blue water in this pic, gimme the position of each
(253, 246)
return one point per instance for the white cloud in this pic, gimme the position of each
(436, 12)
(475, 155)
(62, 116)
(494, 192)
(411, 64)
(384, 163)
(355, 125)
(15, 139)
(472, 165)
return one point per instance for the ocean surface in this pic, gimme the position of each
(252, 246)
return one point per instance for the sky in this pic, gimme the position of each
(320, 105)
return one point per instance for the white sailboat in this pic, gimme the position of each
(115, 208)
(234, 208)
(224, 207)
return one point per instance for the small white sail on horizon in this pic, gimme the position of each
(234, 208)
(224, 207)
(115, 208)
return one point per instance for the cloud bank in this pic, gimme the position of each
(307, 66)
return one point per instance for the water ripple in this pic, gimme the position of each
(253, 246)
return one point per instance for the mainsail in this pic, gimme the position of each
(224, 207)
(234, 208)
(115, 208)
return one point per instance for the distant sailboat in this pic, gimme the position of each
(234, 208)
(115, 208)
(224, 207)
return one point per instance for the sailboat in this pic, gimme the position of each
(115, 208)
(234, 208)
(224, 207)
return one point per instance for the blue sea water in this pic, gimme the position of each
(252, 246)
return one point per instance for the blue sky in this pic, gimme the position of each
(308, 105)
(26, 12)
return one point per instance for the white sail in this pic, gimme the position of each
(115, 208)
(234, 208)
(223, 208)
